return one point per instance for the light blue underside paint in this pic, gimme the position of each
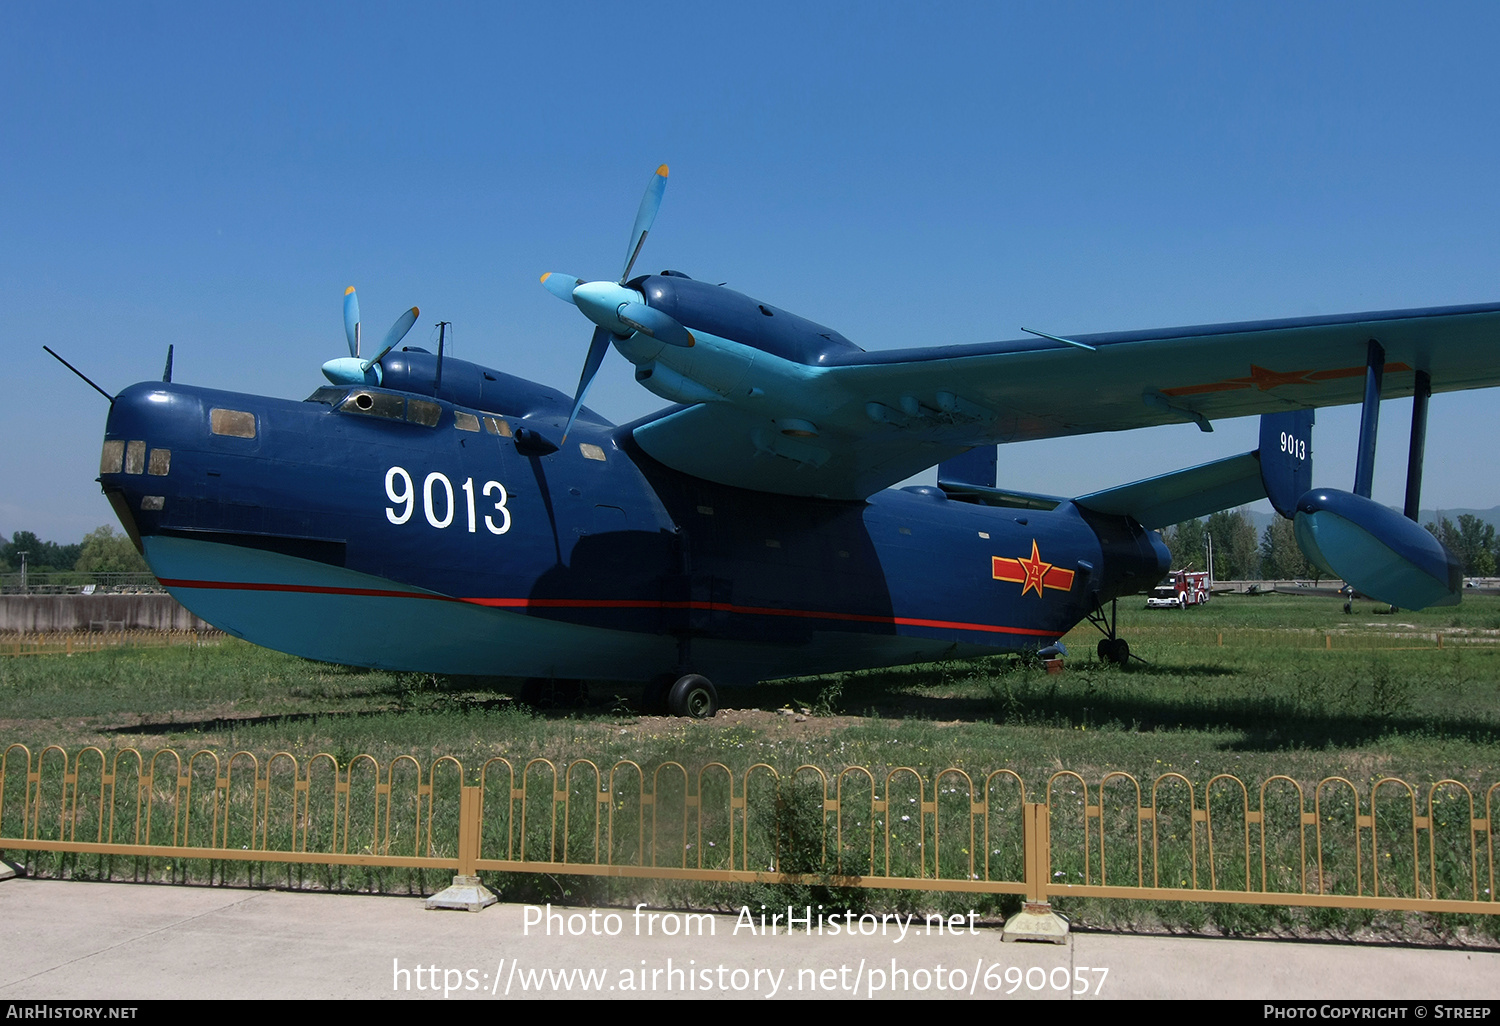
(1368, 563)
(390, 632)
(433, 635)
(1183, 494)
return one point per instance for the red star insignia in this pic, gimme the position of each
(1269, 379)
(1031, 573)
(1034, 569)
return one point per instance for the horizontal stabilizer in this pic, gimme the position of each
(1183, 494)
(975, 467)
(1376, 550)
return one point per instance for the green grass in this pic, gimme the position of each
(1272, 698)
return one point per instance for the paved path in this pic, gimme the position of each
(67, 940)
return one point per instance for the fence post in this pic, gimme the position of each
(466, 892)
(1036, 921)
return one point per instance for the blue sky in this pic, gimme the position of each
(213, 176)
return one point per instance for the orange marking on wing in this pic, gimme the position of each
(1265, 379)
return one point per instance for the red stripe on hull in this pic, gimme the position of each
(528, 603)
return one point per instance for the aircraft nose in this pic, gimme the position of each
(150, 440)
(135, 464)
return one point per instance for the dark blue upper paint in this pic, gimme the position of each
(748, 585)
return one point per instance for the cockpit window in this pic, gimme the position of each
(420, 411)
(392, 407)
(112, 459)
(328, 394)
(375, 404)
(465, 421)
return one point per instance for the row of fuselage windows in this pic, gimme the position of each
(413, 411)
(120, 456)
(420, 411)
(131, 457)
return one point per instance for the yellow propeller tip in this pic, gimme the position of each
(415, 312)
(546, 276)
(662, 170)
(349, 290)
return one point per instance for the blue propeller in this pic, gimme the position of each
(617, 311)
(351, 369)
(351, 320)
(645, 217)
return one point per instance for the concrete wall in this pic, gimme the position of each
(47, 613)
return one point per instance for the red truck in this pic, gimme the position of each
(1180, 589)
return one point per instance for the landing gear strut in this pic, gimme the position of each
(546, 693)
(1112, 649)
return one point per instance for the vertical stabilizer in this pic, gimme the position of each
(1286, 458)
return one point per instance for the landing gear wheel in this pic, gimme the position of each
(693, 696)
(1114, 650)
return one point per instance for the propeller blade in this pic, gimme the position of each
(644, 218)
(650, 321)
(396, 334)
(598, 346)
(561, 285)
(351, 320)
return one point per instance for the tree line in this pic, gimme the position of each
(1239, 554)
(102, 551)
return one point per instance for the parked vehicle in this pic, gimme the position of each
(1180, 589)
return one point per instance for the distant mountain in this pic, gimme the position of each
(1489, 516)
(1261, 521)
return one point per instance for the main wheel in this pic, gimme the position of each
(693, 696)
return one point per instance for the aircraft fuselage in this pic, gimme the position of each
(385, 527)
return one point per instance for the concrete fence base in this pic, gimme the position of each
(45, 614)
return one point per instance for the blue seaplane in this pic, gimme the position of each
(426, 513)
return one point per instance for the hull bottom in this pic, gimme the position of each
(336, 615)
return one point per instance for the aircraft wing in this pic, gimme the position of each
(861, 421)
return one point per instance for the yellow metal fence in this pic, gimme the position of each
(1390, 845)
(29, 643)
